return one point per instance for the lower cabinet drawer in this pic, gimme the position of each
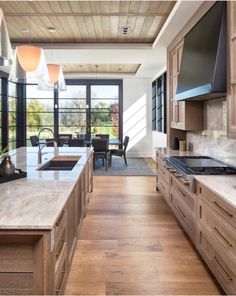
(59, 227)
(163, 173)
(61, 280)
(164, 189)
(183, 215)
(225, 275)
(222, 234)
(226, 211)
(187, 197)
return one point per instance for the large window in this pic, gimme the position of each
(105, 110)
(91, 107)
(39, 111)
(12, 115)
(72, 110)
(159, 104)
(86, 107)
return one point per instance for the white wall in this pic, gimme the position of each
(137, 116)
(158, 140)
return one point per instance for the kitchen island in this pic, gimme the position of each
(40, 218)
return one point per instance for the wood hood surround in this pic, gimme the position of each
(184, 116)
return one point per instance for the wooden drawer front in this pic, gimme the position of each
(183, 215)
(60, 226)
(217, 264)
(60, 259)
(164, 189)
(226, 211)
(221, 233)
(163, 173)
(61, 279)
(186, 196)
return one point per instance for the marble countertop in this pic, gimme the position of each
(170, 152)
(35, 202)
(223, 186)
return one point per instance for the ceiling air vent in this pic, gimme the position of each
(124, 30)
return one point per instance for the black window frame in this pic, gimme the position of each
(159, 104)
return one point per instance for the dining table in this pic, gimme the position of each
(111, 142)
(88, 142)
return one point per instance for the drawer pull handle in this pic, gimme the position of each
(180, 211)
(222, 237)
(222, 269)
(60, 218)
(162, 186)
(60, 290)
(181, 192)
(222, 209)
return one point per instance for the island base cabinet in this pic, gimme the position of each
(24, 266)
(37, 262)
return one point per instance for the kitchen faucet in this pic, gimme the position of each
(40, 153)
(41, 148)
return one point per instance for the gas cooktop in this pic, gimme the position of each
(200, 165)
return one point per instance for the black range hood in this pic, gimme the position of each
(202, 73)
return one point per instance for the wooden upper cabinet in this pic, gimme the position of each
(185, 115)
(175, 61)
(231, 17)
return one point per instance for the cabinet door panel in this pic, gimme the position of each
(71, 225)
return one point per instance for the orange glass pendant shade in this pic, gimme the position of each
(29, 57)
(53, 71)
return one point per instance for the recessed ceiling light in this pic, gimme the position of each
(51, 30)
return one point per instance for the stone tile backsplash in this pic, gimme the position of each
(213, 140)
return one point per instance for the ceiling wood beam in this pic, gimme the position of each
(86, 14)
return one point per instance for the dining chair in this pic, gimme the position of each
(51, 143)
(120, 152)
(65, 137)
(100, 151)
(76, 143)
(34, 141)
(83, 136)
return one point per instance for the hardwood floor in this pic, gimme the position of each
(131, 244)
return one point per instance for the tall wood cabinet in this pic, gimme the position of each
(231, 12)
(175, 62)
(185, 115)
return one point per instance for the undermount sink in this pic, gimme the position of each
(59, 165)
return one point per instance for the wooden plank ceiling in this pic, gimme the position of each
(101, 68)
(85, 21)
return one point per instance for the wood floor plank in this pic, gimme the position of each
(131, 244)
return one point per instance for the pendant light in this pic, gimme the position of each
(6, 55)
(46, 85)
(53, 69)
(53, 72)
(29, 55)
(29, 63)
(18, 74)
